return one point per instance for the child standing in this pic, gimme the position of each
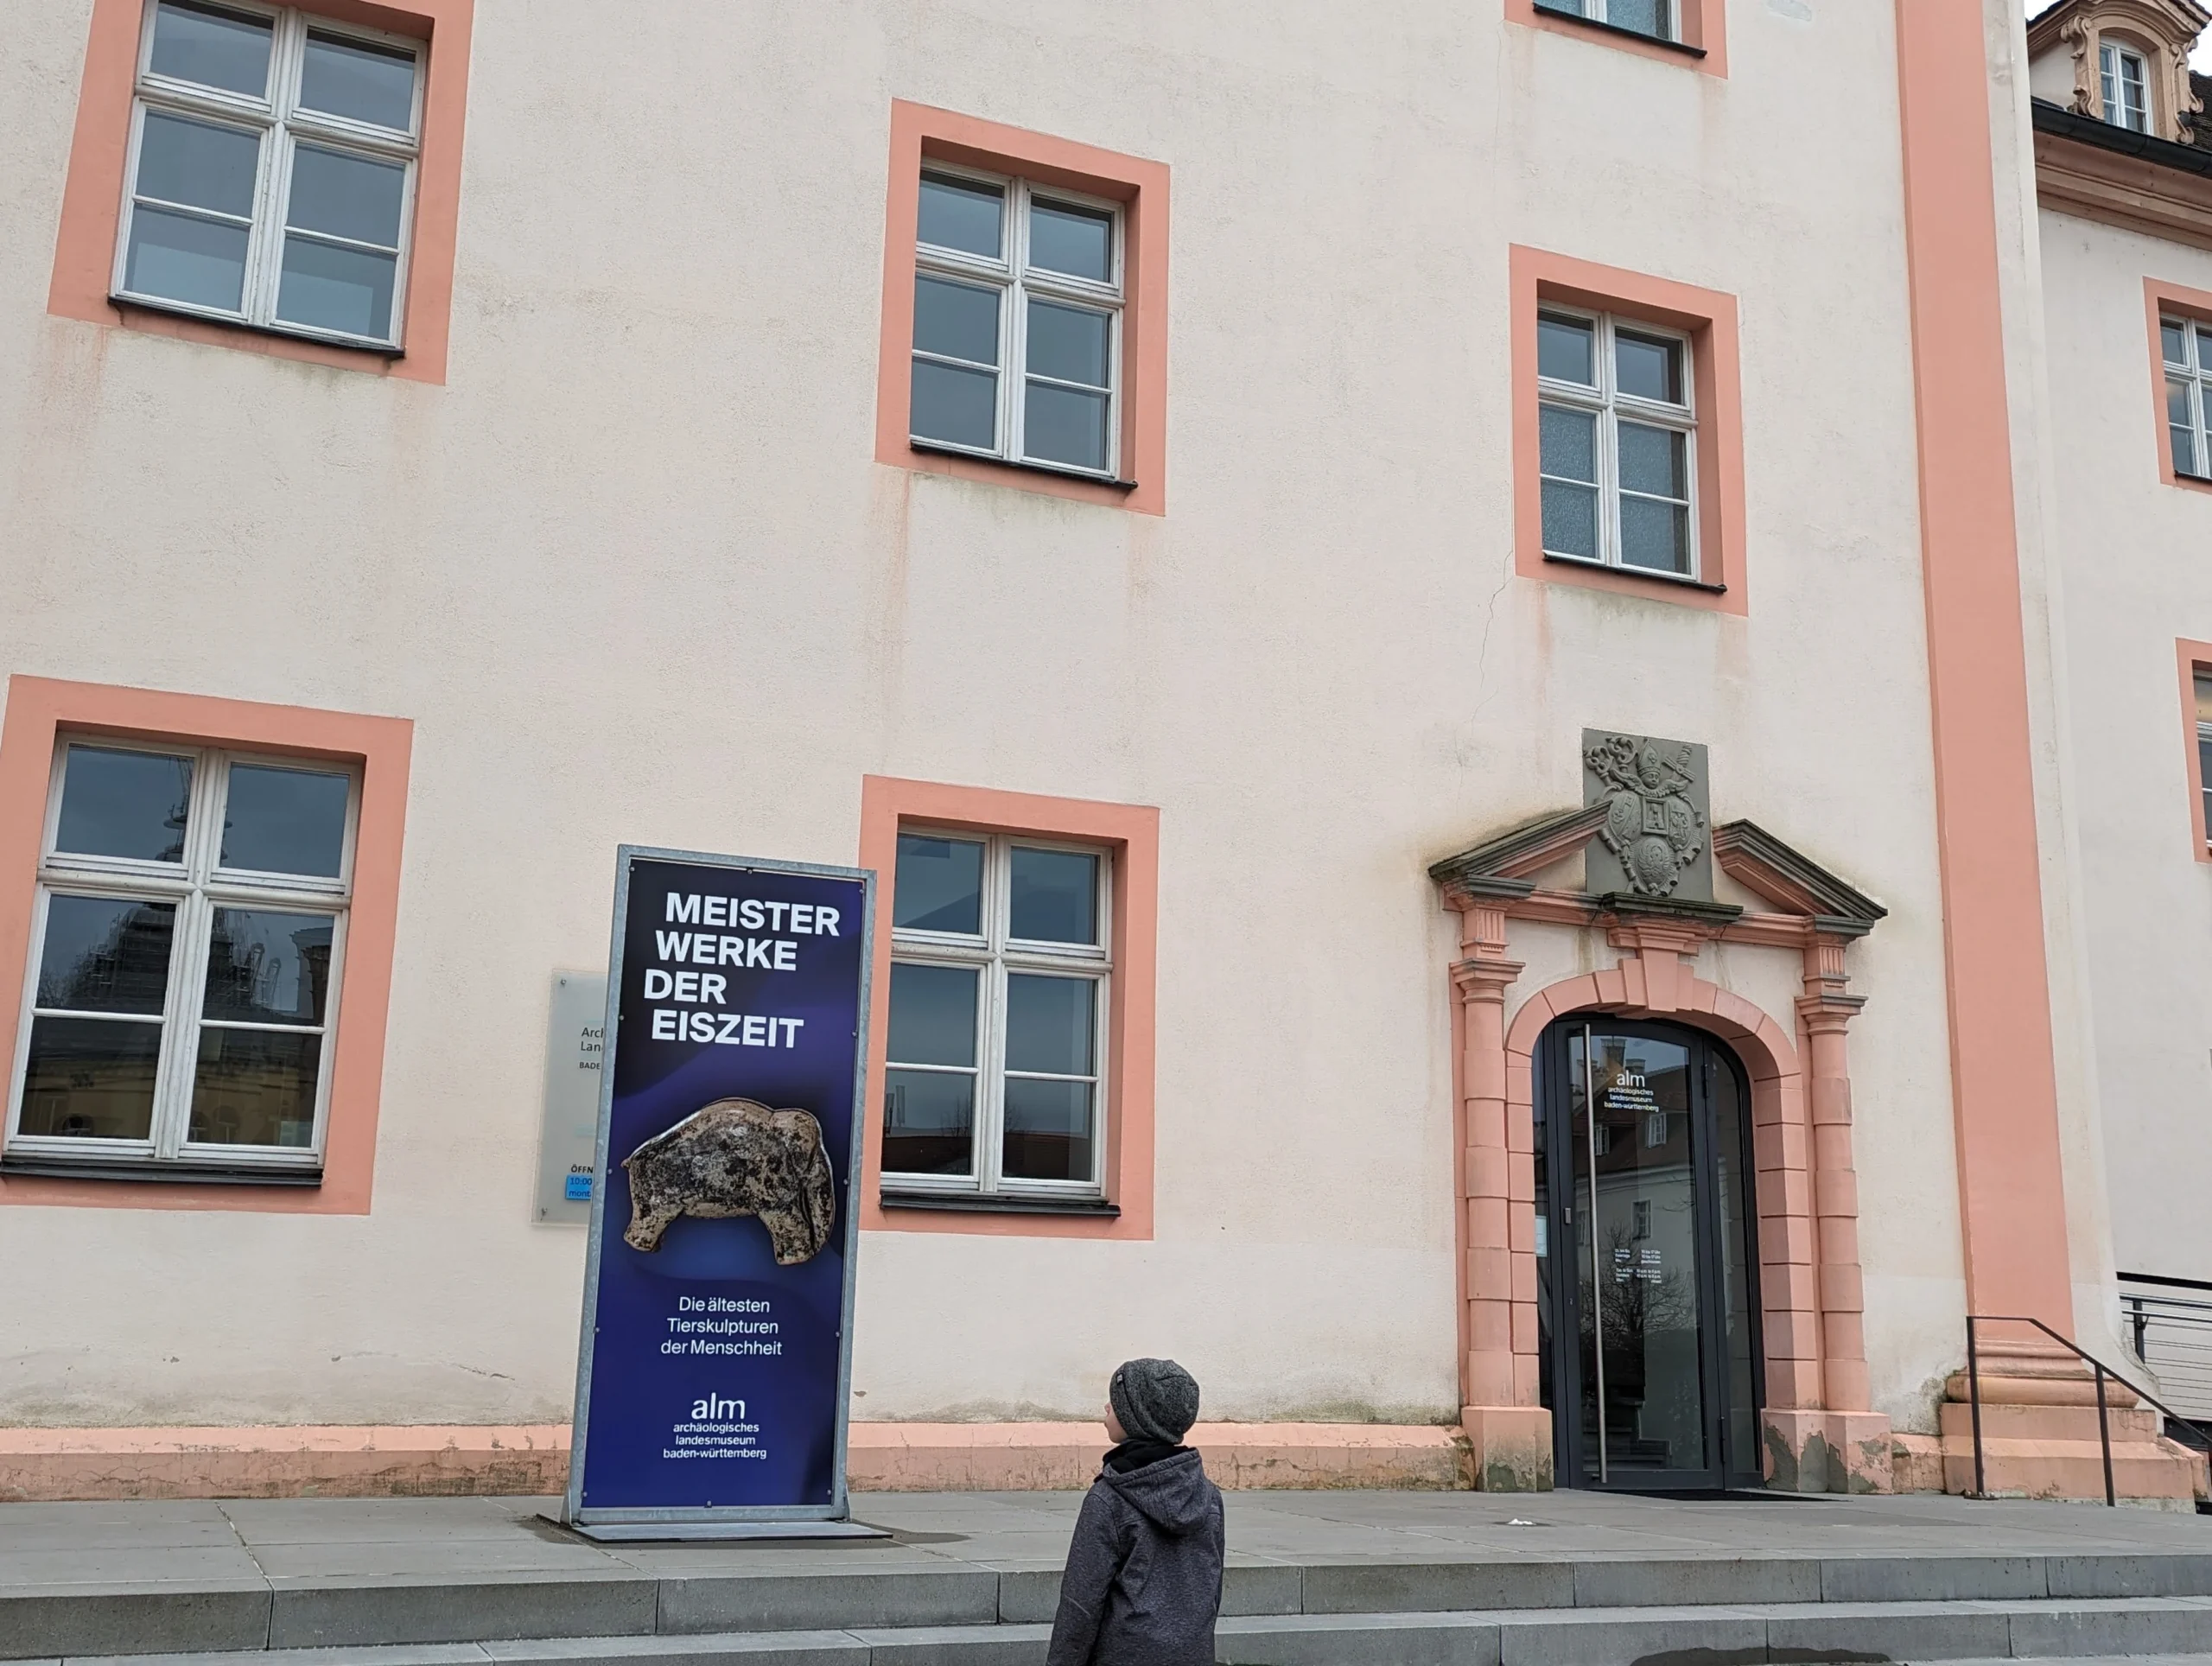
(1143, 1581)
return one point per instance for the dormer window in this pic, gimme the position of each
(2126, 82)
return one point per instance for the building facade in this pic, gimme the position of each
(1431, 620)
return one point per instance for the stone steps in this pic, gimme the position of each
(1303, 1602)
(1741, 1635)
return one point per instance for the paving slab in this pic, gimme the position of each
(126, 1619)
(335, 1612)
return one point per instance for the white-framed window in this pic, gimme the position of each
(2126, 87)
(2186, 347)
(1001, 980)
(187, 950)
(1018, 294)
(270, 179)
(1657, 18)
(1616, 431)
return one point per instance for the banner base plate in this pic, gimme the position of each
(647, 1532)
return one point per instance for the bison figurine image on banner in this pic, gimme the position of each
(736, 1157)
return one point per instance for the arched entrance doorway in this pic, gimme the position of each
(1647, 1266)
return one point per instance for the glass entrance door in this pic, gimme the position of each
(1647, 1282)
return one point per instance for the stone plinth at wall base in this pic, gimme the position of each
(1830, 1452)
(2052, 1451)
(1509, 1447)
(1916, 1463)
(281, 1463)
(533, 1460)
(1035, 1457)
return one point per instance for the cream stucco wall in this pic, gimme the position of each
(2133, 583)
(634, 575)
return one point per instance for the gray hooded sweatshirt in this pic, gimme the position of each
(1143, 1580)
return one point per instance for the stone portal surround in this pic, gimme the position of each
(1821, 1433)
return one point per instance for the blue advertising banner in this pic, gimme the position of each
(712, 1382)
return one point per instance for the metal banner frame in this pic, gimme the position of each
(736, 1521)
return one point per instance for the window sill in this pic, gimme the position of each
(64, 1168)
(1672, 580)
(1022, 464)
(968, 1203)
(127, 303)
(1555, 14)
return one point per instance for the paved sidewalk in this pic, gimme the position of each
(286, 1540)
(1379, 1579)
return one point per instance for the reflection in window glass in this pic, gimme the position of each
(216, 48)
(1055, 895)
(360, 80)
(285, 821)
(88, 1079)
(123, 804)
(1077, 241)
(105, 955)
(961, 214)
(255, 1087)
(932, 1016)
(264, 966)
(939, 885)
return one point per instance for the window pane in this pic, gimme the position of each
(1067, 343)
(1064, 426)
(959, 321)
(1078, 241)
(88, 1079)
(328, 288)
(285, 821)
(1570, 443)
(1571, 520)
(266, 967)
(1049, 1024)
(960, 407)
(961, 214)
(2173, 340)
(198, 164)
(1645, 367)
(939, 885)
(1654, 459)
(345, 196)
(215, 48)
(255, 1087)
(929, 1122)
(1656, 535)
(2181, 430)
(1048, 1130)
(1567, 351)
(105, 955)
(1055, 896)
(123, 804)
(1644, 17)
(357, 78)
(932, 1014)
(181, 258)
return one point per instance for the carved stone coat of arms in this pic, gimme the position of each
(1654, 826)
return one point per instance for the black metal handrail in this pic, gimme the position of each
(2103, 1371)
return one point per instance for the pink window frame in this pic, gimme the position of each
(920, 132)
(1131, 832)
(91, 198)
(41, 709)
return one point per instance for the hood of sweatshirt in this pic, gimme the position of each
(1172, 1494)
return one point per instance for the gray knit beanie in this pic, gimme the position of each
(1155, 1399)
